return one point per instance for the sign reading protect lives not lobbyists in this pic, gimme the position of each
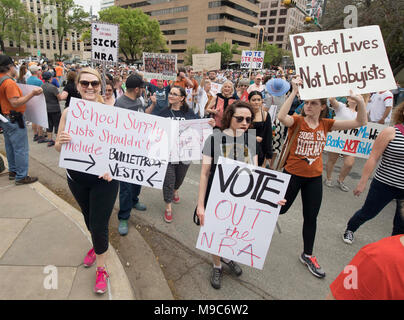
(242, 211)
(130, 146)
(331, 63)
(355, 142)
(104, 42)
(252, 59)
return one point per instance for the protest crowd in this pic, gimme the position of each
(257, 118)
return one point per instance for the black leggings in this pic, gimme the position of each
(96, 200)
(312, 194)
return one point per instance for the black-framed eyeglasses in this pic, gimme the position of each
(240, 119)
(85, 83)
(174, 94)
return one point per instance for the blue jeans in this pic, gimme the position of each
(16, 142)
(128, 197)
(379, 196)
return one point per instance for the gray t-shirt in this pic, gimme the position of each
(51, 97)
(127, 103)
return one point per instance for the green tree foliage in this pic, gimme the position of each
(188, 54)
(273, 54)
(225, 49)
(10, 10)
(18, 28)
(138, 33)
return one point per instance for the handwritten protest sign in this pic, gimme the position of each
(104, 42)
(333, 62)
(252, 59)
(356, 142)
(36, 111)
(162, 66)
(209, 61)
(131, 146)
(215, 88)
(191, 139)
(242, 211)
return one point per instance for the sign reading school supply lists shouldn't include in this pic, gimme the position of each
(104, 42)
(242, 211)
(130, 146)
(331, 63)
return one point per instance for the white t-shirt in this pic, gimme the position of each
(377, 106)
(344, 113)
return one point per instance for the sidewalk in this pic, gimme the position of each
(43, 241)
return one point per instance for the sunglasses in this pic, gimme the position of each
(85, 84)
(241, 119)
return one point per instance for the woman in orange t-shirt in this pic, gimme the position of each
(305, 163)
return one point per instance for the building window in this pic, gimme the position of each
(279, 38)
(271, 21)
(262, 22)
(47, 44)
(273, 13)
(281, 29)
(211, 40)
(270, 38)
(40, 31)
(54, 45)
(41, 44)
(78, 46)
(264, 14)
(241, 43)
(65, 45)
(282, 21)
(11, 44)
(173, 32)
(283, 12)
(274, 4)
(179, 42)
(173, 21)
(73, 46)
(168, 11)
(178, 50)
(271, 30)
(47, 32)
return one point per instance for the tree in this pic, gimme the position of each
(18, 28)
(188, 54)
(138, 33)
(273, 54)
(9, 11)
(225, 49)
(70, 17)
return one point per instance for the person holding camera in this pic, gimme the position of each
(13, 106)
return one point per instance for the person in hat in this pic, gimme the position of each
(13, 106)
(52, 98)
(129, 192)
(275, 96)
(257, 85)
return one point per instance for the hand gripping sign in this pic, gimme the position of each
(130, 146)
(242, 211)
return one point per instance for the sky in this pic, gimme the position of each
(87, 3)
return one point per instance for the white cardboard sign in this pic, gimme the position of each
(104, 42)
(242, 211)
(331, 63)
(252, 59)
(36, 111)
(130, 146)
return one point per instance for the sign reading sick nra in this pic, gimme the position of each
(104, 42)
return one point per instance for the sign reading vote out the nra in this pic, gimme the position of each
(104, 42)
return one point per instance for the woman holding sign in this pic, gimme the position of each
(233, 143)
(305, 163)
(95, 195)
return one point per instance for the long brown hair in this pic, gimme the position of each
(323, 113)
(231, 110)
(398, 114)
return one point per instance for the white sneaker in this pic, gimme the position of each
(348, 237)
(328, 183)
(342, 186)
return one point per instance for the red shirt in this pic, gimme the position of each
(375, 273)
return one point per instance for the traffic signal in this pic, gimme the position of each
(289, 3)
(308, 19)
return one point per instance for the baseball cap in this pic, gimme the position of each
(46, 75)
(135, 81)
(5, 60)
(34, 68)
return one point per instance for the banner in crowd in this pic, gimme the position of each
(104, 42)
(331, 63)
(130, 146)
(161, 66)
(242, 211)
(252, 59)
(209, 61)
(36, 111)
(215, 88)
(355, 142)
(191, 139)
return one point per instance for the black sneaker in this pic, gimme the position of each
(11, 175)
(348, 237)
(312, 264)
(26, 180)
(42, 140)
(36, 137)
(216, 278)
(234, 267)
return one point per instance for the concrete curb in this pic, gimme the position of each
(120, 287)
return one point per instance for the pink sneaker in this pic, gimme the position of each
(168, 216)
(101, 284)
(90, 258)
(176, 199)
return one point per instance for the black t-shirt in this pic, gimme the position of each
(71, 90)
(178, 114)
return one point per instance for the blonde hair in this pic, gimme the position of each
(398, 114)
(94, 72)
(232, 86)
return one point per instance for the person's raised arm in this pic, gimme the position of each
(361, 117)
(283, 115)
(334, 103)
(153, 99)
